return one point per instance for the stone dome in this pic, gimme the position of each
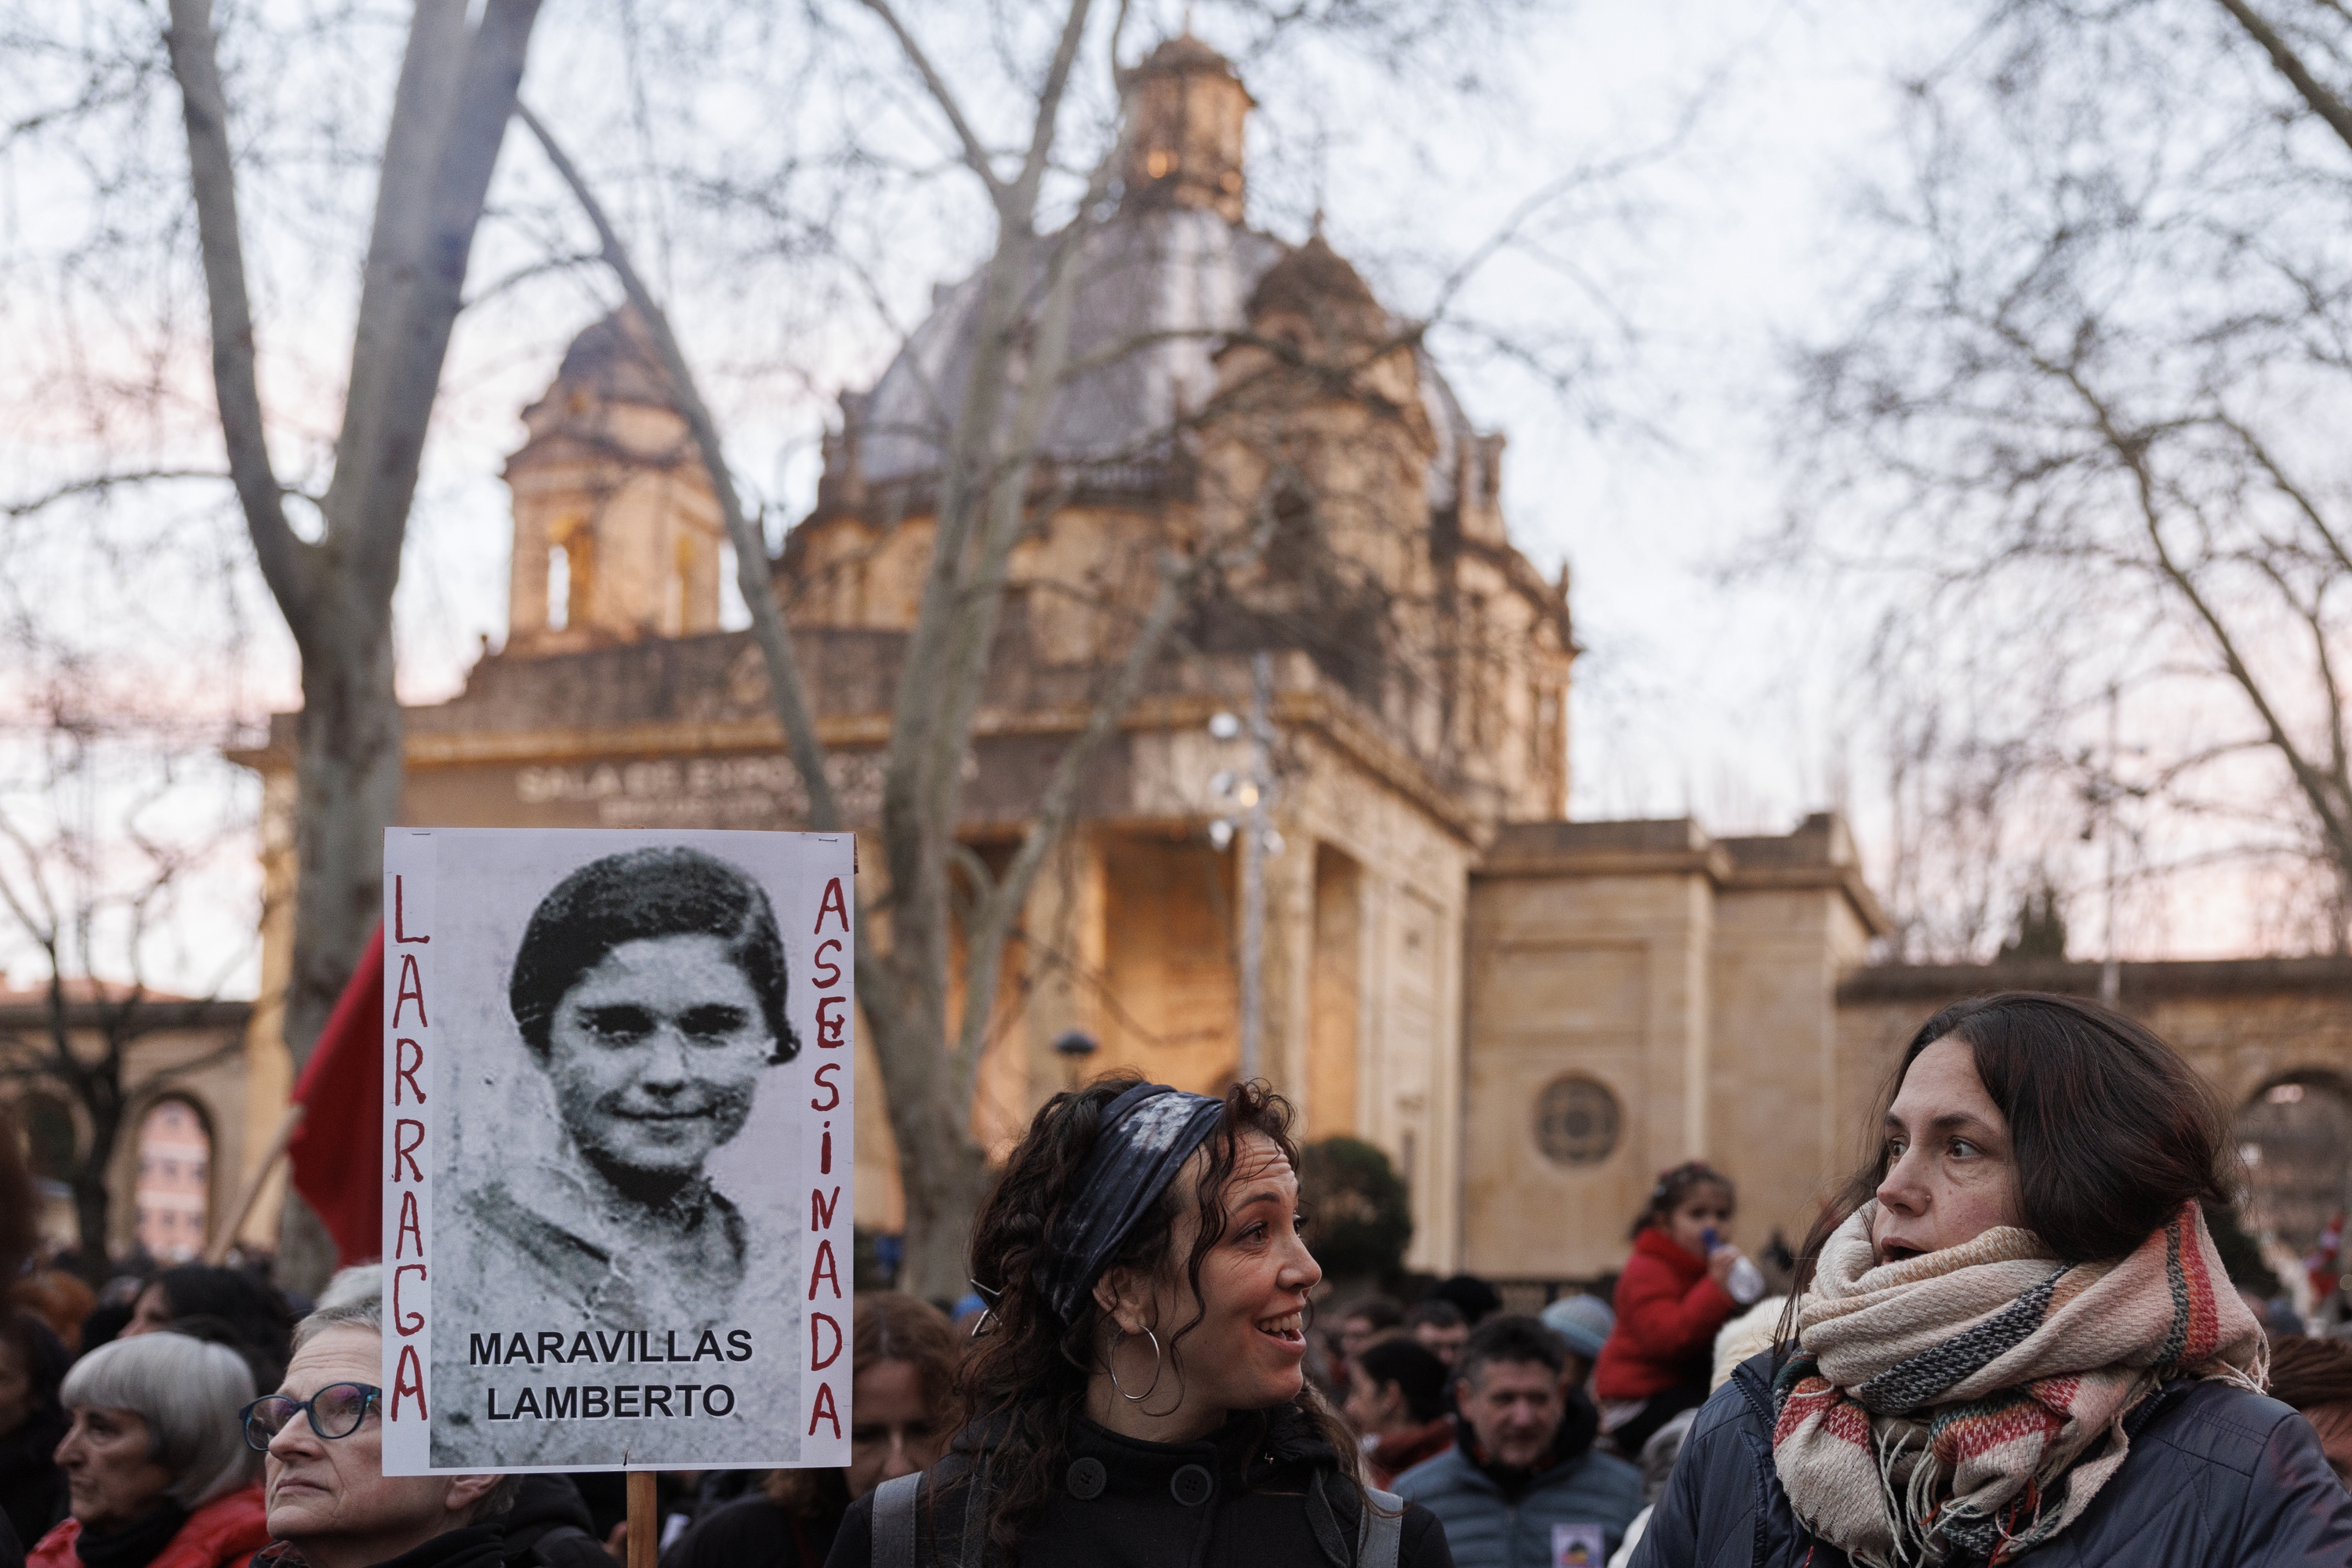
(1311, 279)
(615, 361)
(1184, 53)
(1160, 292)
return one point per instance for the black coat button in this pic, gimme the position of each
(1087, 1479)
(1191, 1485)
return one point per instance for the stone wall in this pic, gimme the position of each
(198, 1059)
(1641, 994)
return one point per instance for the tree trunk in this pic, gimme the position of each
(943, 1197)
(93, 1203)
(349, 778)
(93, 1210)
(942, 1171)
(449, 115)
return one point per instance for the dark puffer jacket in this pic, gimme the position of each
(1496, 1517)
(550, 1527)
(1227, 1501)
(2215, 1475)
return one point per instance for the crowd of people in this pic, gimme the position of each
(2009, 1337)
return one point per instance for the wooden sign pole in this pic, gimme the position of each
(644, 1530)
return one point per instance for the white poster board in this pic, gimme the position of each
(618, 1129)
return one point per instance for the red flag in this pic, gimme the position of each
(336, 1150)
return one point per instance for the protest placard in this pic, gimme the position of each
(619, 1145)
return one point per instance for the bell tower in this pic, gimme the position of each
(616, 531)
(1186, 113)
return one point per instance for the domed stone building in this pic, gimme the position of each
(1531, 1015)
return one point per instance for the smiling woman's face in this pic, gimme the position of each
(1247, 1349)
(653, 1055)
(1951, 1171)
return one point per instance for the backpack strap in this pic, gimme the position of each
(1383, 1530)
(894, 1522)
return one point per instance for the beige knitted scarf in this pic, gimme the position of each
(1965, 1406)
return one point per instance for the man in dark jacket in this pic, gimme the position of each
(2216, 1474)
(1524, 1489)
(550, 1527)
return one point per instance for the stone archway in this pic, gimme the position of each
(2295, 1135)
(172, 1196)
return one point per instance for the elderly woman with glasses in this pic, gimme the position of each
(330, 1504)
(156, 1476)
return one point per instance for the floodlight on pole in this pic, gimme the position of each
(1251, 792)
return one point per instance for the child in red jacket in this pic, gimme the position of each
(1682, 1284)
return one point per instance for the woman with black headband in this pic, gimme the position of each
(1137, 1397)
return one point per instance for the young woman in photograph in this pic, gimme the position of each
(1138, 1398)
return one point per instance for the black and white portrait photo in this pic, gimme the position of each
(622, 1162)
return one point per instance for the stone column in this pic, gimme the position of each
(1288, 1003)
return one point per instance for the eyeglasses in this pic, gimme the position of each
(336, 1410)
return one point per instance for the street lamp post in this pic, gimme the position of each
(1258, 840)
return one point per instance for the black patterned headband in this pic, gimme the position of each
(1147, 1134)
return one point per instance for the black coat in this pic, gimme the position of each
(471, 1546)
(550, 1527)
(755, 1531)
(1122, 1504)
(32, 1487)
(2215, 1476)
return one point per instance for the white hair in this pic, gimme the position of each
(189, 1393)
(360, 1282)
(354, 1311)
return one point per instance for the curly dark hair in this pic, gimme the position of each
(1673, 1187)
(1026, 1382)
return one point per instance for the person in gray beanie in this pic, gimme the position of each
(1583, 1323)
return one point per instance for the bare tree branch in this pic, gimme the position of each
(2334, 110)
(100, 484)
(976, 152)
(992, 921)
(288, 564)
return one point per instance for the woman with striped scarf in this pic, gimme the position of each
(2014, 1337)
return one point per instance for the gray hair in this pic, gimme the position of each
(358, 1283)
(354, 1311)
(189, 1393)
(355, 1301)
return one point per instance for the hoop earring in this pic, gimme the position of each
(1158, 1360)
